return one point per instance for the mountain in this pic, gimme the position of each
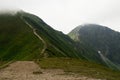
(102, 39)
(24, 36)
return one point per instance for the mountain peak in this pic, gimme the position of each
(75, 32)
(100, 38)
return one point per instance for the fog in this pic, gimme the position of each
(64, 15)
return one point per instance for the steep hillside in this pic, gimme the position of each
(24, 36)
(57, 44)
(102, 39)
(17, 40)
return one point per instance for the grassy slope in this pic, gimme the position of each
(19, 43)
(17, 40)
(53, 38)
(80, 67)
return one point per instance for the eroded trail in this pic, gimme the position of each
(25, 70)
(45, 44)
(38, 36)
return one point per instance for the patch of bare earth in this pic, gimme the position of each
(28, 70)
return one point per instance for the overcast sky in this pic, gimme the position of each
(64, 15)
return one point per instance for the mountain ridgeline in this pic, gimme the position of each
(102, 39)
(24, 36)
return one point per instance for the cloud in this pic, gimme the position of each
(64, 15)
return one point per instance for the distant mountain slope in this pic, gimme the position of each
(101, 39)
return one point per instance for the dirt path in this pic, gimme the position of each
(39, 37)
(45, 44)
(28, 70)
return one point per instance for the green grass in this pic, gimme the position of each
(81, 67)
(51, 36)
(17, 41)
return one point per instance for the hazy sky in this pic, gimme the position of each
(64, 15)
